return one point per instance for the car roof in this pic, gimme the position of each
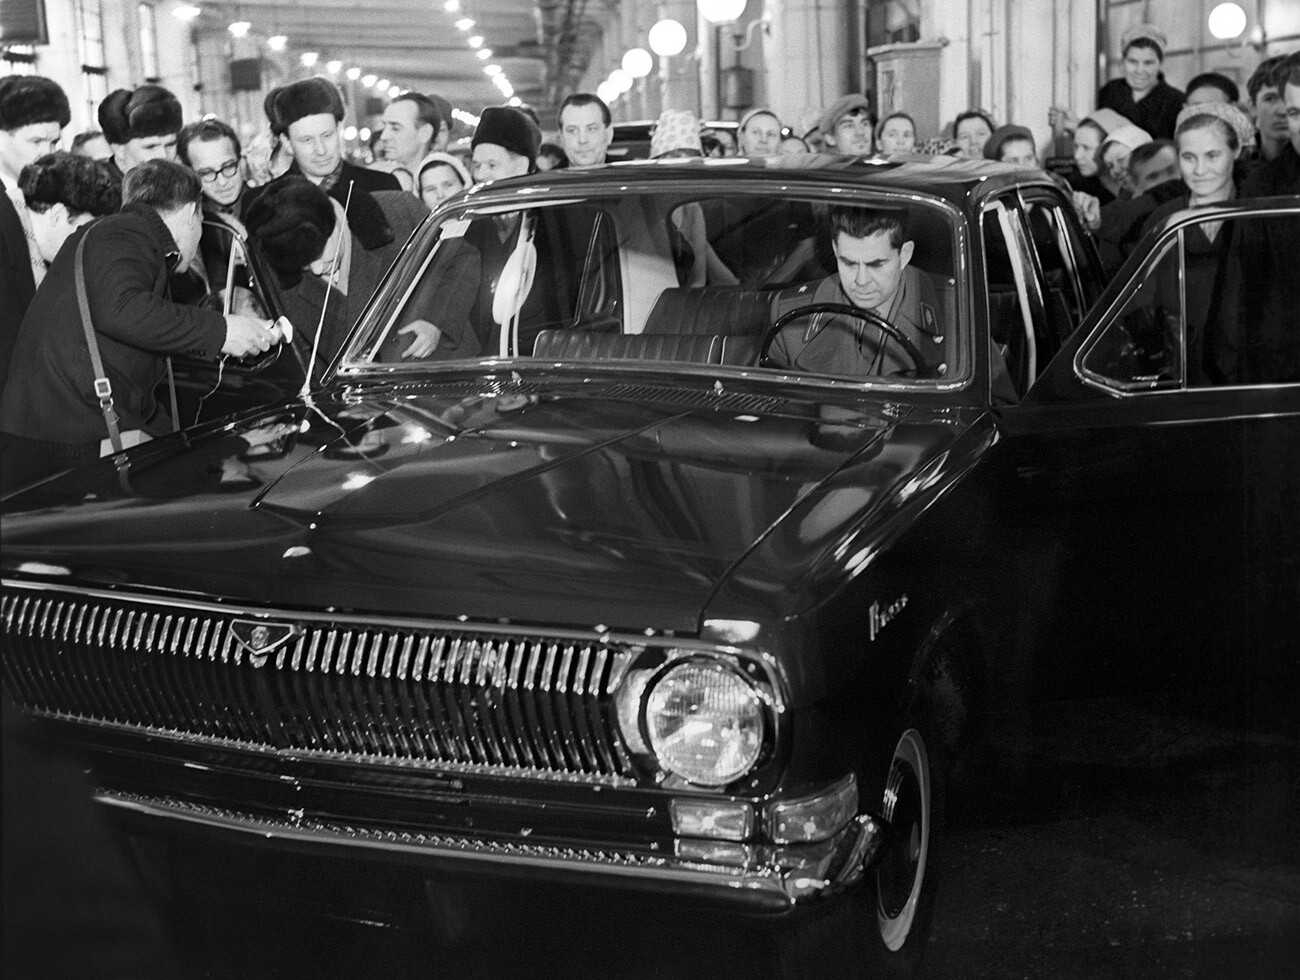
(952, 178)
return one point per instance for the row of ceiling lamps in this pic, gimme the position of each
(309, 59)
(667, 38)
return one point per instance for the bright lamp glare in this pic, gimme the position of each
(239, 28)
(334, 67)
(483, 54)
(491, 69)
(349, 132)
(475, 41)
(721, 11)
(394, 91)
(452, 6)
(464, 24)
(363, 133)
(186, 11)
(638, 62)
(354, 73)
(667, 38)
(382, 84)
(1227, 21)
(515, 101)
(621, 80)
(277, 42)
(607, 92)
(309, 59)
(369, 80)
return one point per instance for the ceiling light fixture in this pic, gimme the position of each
(452, 6)
(186, 11)
(491, 69)
(334, 67)
(464, 24)
(277, 42)
(354, 73)
(369, 80)
(483, 54)
(239, 28)
(309, 59)
(475, 42)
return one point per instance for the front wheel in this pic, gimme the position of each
(905, 877)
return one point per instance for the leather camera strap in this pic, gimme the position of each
(103, 387)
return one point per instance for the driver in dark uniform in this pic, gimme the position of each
(872, 252)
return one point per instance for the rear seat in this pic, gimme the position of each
(586, 345)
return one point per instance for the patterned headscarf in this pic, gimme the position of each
(677, 129)
(1241, 123)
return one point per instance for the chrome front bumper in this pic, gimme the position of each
(761, 880)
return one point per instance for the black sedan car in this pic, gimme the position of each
(734, 504)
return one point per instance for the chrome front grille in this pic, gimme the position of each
(404, 693)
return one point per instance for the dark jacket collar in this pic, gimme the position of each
(158, 229)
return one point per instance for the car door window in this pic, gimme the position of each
(1014, 322)
(1214, 306)
(1064, 305)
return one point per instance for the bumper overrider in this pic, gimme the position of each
(753, 878)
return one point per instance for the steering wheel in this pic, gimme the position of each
(919, 365)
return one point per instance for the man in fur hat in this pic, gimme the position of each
(505, 144)
(309, 113)
(140, 125)
(33, 112)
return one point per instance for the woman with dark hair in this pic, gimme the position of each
(971, 130)
(1142, 95)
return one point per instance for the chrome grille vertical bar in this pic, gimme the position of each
(513, 698)
(560, 698)
(424, 700)
(577, 711)
(511, 738)
(486, 698)
(315, 682)
(546, 704)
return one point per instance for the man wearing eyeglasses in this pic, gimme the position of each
(211, 149)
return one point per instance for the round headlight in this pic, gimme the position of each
(705, 723)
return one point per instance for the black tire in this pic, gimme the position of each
(905, 879)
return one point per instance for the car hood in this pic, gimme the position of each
(619, 504)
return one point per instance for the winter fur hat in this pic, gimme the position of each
(26, 100)
(150, 110)
(290, 222)
(310, 97)
(510, 129)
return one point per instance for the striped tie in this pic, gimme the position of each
(33, 250)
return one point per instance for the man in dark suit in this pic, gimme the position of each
(33, 112)
(309, 113)
(50, 415)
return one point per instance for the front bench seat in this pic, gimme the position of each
(586, 345)
(721, 310)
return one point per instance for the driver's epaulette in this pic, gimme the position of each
(930, 325)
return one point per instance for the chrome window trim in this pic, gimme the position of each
(1104, 317)
(470, 205)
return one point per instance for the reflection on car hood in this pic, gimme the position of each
(591, 503)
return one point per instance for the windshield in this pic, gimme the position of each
(862, 289)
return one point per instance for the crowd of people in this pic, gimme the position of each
(104, 257)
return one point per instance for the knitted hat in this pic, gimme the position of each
(509, 129)
(150, 110)
(1139, 31)
(760, 111)
(1108, 119)
(29, 99)
(289, 223)
(451, 160)
(993, 148)
(311, 97)
(1128, 135)
(1241, 123)
(677, 129)
(840, 108)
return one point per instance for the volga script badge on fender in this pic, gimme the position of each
(262, 639)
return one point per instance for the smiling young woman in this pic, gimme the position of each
(1142, 94)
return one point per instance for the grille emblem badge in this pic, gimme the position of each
(262, 639)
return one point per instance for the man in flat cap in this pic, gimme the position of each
(140, 125)
(33, 112)
(846, 125)
(1142, 95)
(309, 114)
